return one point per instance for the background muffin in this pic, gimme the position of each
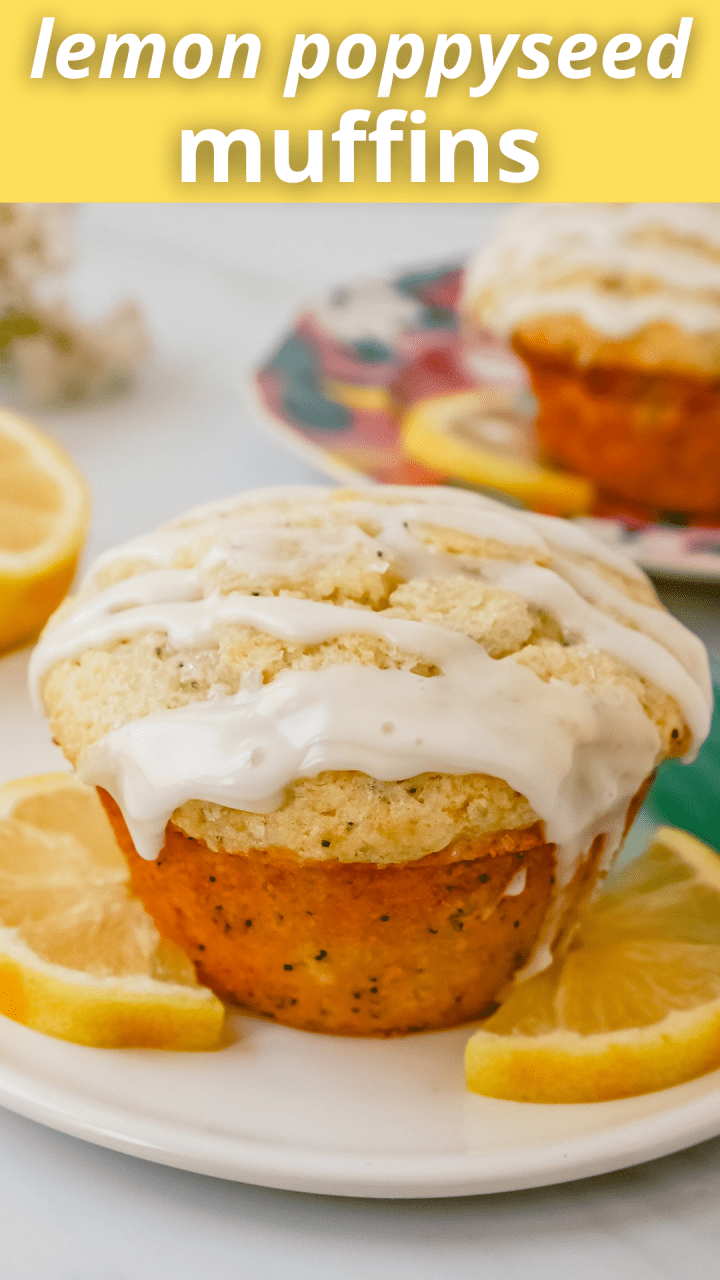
(374, 749)
(616, 311)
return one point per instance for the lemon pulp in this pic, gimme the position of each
(44, 511)
(633, 1004)
(80, 957)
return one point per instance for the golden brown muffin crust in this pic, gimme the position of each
(363, 819)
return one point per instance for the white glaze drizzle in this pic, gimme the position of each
(580, 620)
(570, 535)
(658, 623)
(243, 750)
(577, 754)
(439, 505)
(531, 268)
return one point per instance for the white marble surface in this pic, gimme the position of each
(218, 283)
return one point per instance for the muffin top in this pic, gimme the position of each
(369, 676)
(603, 280)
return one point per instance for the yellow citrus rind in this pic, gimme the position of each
(109, 1013)
(426, 438)
(38, 784)
(565, 1067)
(39, 486)
(104, 1010)
(633, 1004)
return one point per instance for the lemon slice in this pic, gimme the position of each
(480, 437)
(633, 1005)
(44, 511)
(80, 957)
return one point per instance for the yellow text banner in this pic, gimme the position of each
(384, 101)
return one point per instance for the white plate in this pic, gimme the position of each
(303, 1112)
(278, 1108)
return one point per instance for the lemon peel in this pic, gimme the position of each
(80, 959)
(44, 513)
(634, 1003)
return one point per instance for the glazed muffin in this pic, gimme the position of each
(615, 309)
(368, 753)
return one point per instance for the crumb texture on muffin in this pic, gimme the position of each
(354, 949)
(432, 599)
(634, 285)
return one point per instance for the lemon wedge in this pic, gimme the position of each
(634, 1003)
(44, 511)
(80, 958)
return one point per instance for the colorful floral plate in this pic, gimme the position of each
(378, 382)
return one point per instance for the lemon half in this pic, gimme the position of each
(44, 512)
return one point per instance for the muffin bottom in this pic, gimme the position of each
(646, 436)
(357, 948)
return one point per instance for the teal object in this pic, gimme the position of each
(435, 316)
(301, 389)
(372, 352)
(688, 796)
